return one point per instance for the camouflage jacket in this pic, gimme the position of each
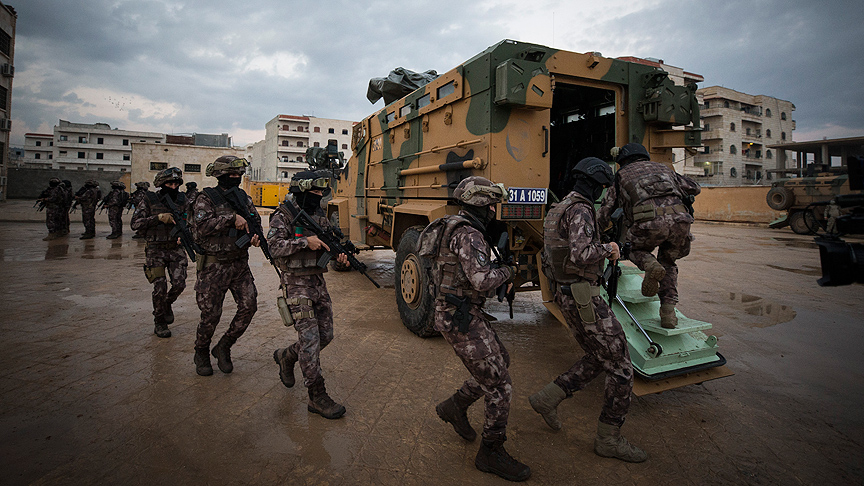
(587, 251)
(137, 196)
(55, 197)
(116, 198)
(146, 218)
(289, 245)
(212, 224)
(90, 197)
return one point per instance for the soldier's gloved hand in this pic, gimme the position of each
(616, 251)
(166, 218)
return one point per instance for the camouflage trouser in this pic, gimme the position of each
(66, 219)
(175, 265)
(673, 238)
(487, 360)
(313, 333)
(115, 219)
(55, 219)
(605, 350)
(88, 217)
(214, 280)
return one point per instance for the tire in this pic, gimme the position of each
(334, 265)
(798, 223)
(413, 274)
(780, 198)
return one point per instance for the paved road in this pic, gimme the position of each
(89, 395)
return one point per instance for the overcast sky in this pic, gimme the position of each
(214, 66)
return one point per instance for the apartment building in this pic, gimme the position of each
(737, 129)
(282, 153)
(96, 146)
(38, 151)
(8, 19)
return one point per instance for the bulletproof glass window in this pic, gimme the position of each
(390, 116)
(404, 111)
(446, 90)
(423, 101)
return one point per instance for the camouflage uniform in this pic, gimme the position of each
(304, 288)
(92, 195)
(646, 185)
(135, 200)
(191, 194)
(463, 268)
(163, 254)
(116, 202)
(67, 205)
(225, 267)
(603, 341)
(55, 218)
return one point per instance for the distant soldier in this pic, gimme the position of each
(223, 266)
(296, 253)
(463, 277)
(54, 199)
(116, 202)
(67, 205)
(140, 193)
(191, 192)
(832, 212)
(88, 200)
(573, 257)
(165, 257)
(653, 197)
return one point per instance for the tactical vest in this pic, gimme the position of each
(222, 244)
(447, 273)
(556, 247)
(161, 232)
(305, 261)
(658, 183)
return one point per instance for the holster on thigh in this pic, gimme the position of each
(582, 296)
(152, 273)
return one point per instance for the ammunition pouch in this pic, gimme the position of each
(162, 245)
(647, 212)
(203, 260)
(462, 315)
(582, 292)
(288, 317)
(152, 273)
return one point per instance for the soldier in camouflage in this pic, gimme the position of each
(296, 252)
(573, 257)
(224, 266)
(67, 204)
(115, 202)
(54, 198)
(165, 258)
(653, 196)
(191, 192)
(141, 189)
(463, 277)
(88, 200)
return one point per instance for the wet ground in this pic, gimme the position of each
(88, 395)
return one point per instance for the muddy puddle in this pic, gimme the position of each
(761, 312)
(796, 243)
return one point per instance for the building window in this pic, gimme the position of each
(299, 158)
(284, 174)
(81, 155)
(344, 146)
(782, 135)
(768, 154)
(63, 138)
(125, 141)
(82, 139)
(707, 150)
(707, 127)
(285, 127)
(317, 144)
(300, 143)
(192, 168)
(158, 165)
(707, 105)
(37, 156)
(782, 115)
(50, 156)
(100, 155)
(125, 156)
(344, 131)
(330, 130)
(100, 140)
(285, 143)
(725, 104)
(733, 150)
(51, 143)
(332, 142)
(768, 112)
(748, 131)
(768, 133)
(732, 127)
(317, 129)
(38, 143)
(5, 42)
(62, 153)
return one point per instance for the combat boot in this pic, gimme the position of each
(453, 411)
(493, 458)
(162, 330)
(654, 273)
(222, 353)
(112, 236)
(87, 236)
(202, 362)
(169, 314)
(609, 443)
(545, 402)
(668, 318)
(285, 358)
(321, 403)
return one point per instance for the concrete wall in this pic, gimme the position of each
(177, 156)
(745, 204)
(29, 183)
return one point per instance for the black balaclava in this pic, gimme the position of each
(588, 188)
(53, 183)
(309, 201)
(170, 192)
(227, 182)
(481, 215)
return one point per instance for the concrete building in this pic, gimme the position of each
(97, 146)
(737, 131)
(8, 20)
(282, 153)
(148, 158)
(38, 151)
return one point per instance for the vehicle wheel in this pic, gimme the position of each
(811, 220)
(780, 198)
(334, 265)
(798, 223)
(413, 274)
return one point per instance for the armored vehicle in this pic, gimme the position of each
(516, 113)
(800, 196)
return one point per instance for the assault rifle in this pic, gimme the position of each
(503, 258)
(613, 271)
(73, 207)
(102, 203)
(39, 205)
(236, 198)
(332, 238)
(181, 228)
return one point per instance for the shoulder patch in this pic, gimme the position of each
(200, 215)
(272, 233)
(589, 231)
(482, 259)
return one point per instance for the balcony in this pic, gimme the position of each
(290, 150)
(711, 134)
(293, 133)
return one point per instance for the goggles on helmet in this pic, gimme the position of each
(495, 191)
(308, 184)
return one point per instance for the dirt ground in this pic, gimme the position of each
(88, 395)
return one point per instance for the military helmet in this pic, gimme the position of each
(479, 191)
(118, 185)
(630, 153)
(308, 180)
(595, 170)
(227, 164)
(54, 181)
(92, 183)
(67, 183)
(191, 185)
(142, 185)
(171, 174)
